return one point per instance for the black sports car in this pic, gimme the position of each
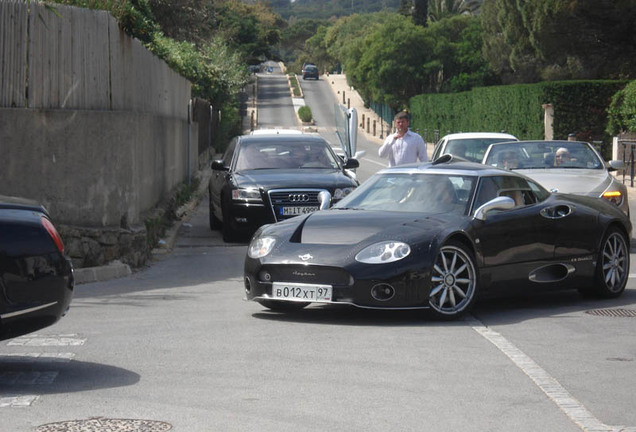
(269, 176)
(436, 235)
(36, 279)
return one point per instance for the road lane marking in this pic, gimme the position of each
(48, 340)
(17, 401)
(570, 406)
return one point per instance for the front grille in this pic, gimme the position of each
(309, 274)
(288, 203)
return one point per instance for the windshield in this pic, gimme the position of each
(472, 149)
(289, 155)
(422, 193)
(535, 155)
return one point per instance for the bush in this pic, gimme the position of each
(622, 111)
(304, 112)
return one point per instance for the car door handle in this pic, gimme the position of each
(557, 212)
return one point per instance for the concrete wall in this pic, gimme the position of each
(94, 168)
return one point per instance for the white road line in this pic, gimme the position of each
(17, 401)
(550, 386)
(48, 340)
(382, 164)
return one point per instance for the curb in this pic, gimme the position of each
(114, 270)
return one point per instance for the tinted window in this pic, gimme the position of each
(519, 189)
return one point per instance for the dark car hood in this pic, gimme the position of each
(349, 227)
(293, 178)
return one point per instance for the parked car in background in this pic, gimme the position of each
(272, 175)
(470, 145)
(36, 278)
(435, 236)
(311, 71)
(563, 166)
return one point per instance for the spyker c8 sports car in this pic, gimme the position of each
(436, 235)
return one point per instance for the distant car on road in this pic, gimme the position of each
(36, 278)
(469, 145)
(272, 175)
(435, 236)
(573, 167)
(311, 71)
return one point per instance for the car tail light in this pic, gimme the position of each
(53, 233)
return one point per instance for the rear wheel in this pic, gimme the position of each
(283, 306)
(612, 266)
(454, 282)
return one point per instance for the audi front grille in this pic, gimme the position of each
(287, 203)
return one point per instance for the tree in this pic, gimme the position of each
(553, 39)
(389, 67)
(420, 12)
(440, 9)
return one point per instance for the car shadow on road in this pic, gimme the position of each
(495, 310)
(52, 376)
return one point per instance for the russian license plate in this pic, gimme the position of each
(301, 292)
(293, 211)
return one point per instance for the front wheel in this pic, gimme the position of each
(612, 266)
(283, 306)
(228, 233)
(454, 282)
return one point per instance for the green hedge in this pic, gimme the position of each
(622, 112)
(580, 107)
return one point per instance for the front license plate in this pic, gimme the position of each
(293, 211)
(301, 292)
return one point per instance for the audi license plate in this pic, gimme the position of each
(301, 292)
(293, 211)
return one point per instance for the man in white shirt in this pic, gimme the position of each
(404, 146)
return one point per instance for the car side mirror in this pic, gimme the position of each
(499, 203)
(614, 165)
(217, 165)
(351, 163)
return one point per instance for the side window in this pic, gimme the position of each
(521, 191)
(539, 192)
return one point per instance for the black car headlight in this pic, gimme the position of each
(340, 193)
(260, 247)
(383, 252)
(247, 194)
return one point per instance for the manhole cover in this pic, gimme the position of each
(106, 425)
(620, 313)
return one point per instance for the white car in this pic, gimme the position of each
(573, 167)
(469, 145)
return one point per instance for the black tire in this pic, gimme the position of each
(215, 224)
(453, 275)
(283, 306)
(612, 265)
